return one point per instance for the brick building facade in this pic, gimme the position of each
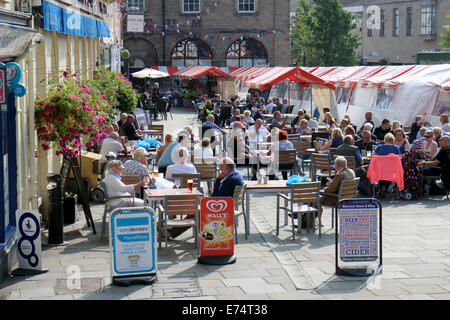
(241, 30)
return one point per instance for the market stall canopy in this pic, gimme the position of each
(171, 70)
(248, 73)
(150, 73)
(198, 71)
(277, 74)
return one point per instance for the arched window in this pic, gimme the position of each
(246, 53)
(191, 52)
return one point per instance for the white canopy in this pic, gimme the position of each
(150, 73)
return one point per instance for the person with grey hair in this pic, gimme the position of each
(112, 145)
(227, 180)
(183, 164)
(138, 165)
(342, 173)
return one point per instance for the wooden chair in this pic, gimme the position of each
(306, 196)
(109, 207)
(347, 190)
(301, 147)
(322, 162)
(182, 205)
(185, 177)
(207, 171)
(132, 179)
(158, 136)
(238, 198)
(294, 137)
(287, 160)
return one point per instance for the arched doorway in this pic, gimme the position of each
(191, 52)
(246, 52)
(142, 54)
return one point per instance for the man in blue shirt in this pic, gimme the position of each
(227, 180)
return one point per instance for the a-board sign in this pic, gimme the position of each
(358, 237)
(29, 245)
(141, 119)
(217, 227)
(358, 226)
(133, 243)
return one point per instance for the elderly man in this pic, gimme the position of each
(347, 148)
(368, 117)
(227, 180)
(277, 122)
(366, 142)
(116, 188)
(138, 165)
(257, 133)
(210, 124)
(440, 166)
(183, 164)
(129, 130)
(342, 173)
(112, 145)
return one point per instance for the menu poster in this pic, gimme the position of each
(358, 226)
(217, 227)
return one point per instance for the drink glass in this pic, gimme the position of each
(155, 171)
(190, 184)
(177, 183)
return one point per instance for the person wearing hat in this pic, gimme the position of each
(138, 165)
(116, 188)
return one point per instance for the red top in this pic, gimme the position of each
(388, 168)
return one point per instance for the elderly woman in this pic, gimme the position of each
(298, 118)
(248, 120)
(203, 150)
(401, 142)
(116, 188)
(437, 132)
(303, 128)
(445, 124)
(429, 147)
(183, 164)
(336, 140)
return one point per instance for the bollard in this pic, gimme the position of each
(55, 206)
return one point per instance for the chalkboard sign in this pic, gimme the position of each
(69, 163)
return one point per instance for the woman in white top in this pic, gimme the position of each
(429, 146)
(116, 188)
(203, 150)
(183, 165)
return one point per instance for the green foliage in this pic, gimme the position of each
(323, 35)
(446, 35)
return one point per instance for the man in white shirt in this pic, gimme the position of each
(269, 106)
(116, 188)
(112, 145)
(257, 133)
(182, 166)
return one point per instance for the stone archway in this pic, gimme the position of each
(142, 53)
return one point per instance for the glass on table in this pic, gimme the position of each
(155, 171)
(190, 184)
(177, 183)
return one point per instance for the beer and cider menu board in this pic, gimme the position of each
(358, 231)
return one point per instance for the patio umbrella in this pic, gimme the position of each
(150, 73)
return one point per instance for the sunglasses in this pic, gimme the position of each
(427, 136)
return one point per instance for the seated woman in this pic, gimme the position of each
(312, 123)
(388, 146)
(401, 142)
(329, 121)
(116, 188)
(183, 164)
(336, 140)
(303, 128)
(429, 147)
(203, 150)
(437, 132)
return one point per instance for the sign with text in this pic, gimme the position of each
(29, 245)
(217, 227)
(132, 242)
(135, 23)
(358, 226)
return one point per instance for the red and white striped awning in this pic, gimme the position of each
(381, 79)
(198, 71)
(169, 70)
(247, 73)
(275, 75)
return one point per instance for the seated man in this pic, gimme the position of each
(347, 148)
(441, 162)
(382, 130)
(115, 187)
(342, 173)
(129, 129)
(277, 122)
(112, 145)
(138, 166)
(227, 180)
(365, 143)
(183, 164)
(257, 133)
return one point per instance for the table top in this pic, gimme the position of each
(161, 193)
(271, 184)
(290, 115)
(154, 131)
